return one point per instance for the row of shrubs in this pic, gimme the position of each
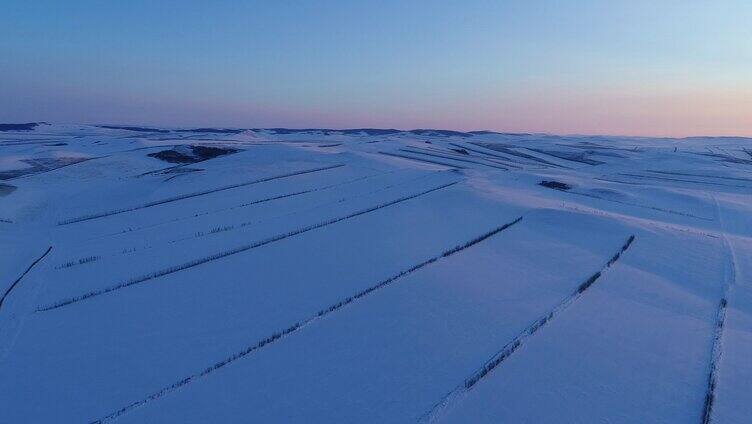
(81, 261)
(255, 202)
(296, 326)
(447, 156)
(223, 254)
(707, 411)
(194, 194)
(414, 268)
(512, 346)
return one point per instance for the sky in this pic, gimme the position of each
(637, 67)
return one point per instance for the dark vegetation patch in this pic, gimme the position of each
(138, 129)
(191, 154)
(19, 127)
(556, 185)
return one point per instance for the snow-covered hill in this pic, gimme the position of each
(385, 276)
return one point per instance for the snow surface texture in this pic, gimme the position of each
(281, 276)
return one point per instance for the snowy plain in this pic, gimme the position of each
(156, 275)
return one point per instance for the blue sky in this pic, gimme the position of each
(607, 67)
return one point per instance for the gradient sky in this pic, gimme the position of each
(637, 67)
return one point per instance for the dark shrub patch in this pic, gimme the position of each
(18, 127)
(556, 185)
(191, 154)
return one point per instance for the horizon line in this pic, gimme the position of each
(310, 128)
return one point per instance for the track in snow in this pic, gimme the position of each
(18, 280)
(226, 253)
(298, 325)
(717, 350)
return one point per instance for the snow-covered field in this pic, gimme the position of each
(299, 276)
